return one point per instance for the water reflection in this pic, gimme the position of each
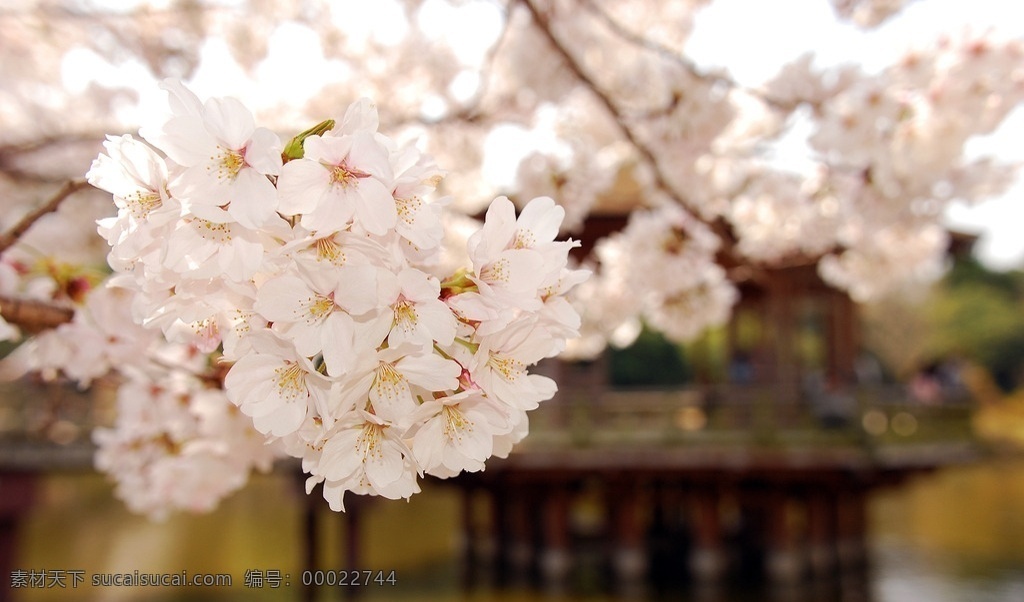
(957, 535)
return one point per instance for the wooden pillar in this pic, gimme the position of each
(474, 537)
(310, 539)
(842, 342)
(629, 553)
(707, 559)
(352, 560)
(556, 560)
(783, 562)
(17, 494)
(518, 526)
(851, 519)
(821, 531)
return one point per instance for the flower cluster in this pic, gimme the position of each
(308, 269)
(681, 291)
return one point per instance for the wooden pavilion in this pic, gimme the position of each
(764, 467)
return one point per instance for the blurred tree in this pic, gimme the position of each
(650, 361)
(978, 314)
(974, 314)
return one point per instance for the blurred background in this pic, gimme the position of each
(816, 443)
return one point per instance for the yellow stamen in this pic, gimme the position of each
(388, 381)
(408, 209)
(455, 423)
(341, 175)
(406, 316)
(318, 307)
(508, 367)
(327, 249)
(142, 203)
(228, 163)
(368, 443)
(524, 240)
(291, 381)
(496, 272)
(212, 231)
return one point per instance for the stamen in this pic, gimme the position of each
(228, 163)
(141, 203)
(406, 316)
(291, 381)
(455, 423)
(408, 209)
(327, 249)
(508, 367)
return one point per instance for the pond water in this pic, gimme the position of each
(956, 535)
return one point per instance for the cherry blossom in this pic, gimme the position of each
(225, 156)
(315, 296)
(306, 267)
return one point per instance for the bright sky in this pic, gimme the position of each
(753, 38)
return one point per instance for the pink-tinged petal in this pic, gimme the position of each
(371, 332)
(329, 151)
(361, 115)
(253, 199)
(540, 388)
(418, 286)
(560, 311)
(519, 270)
(242, 261)
(539, 222)
(182, 100)
(430, 371)
(390, 394)
(428, 444)
(354, 390)
(263, 152)
(280, 298)
(388, 288)
(183, 139)
(386, 466)
(334, 494)
(474, 443)
(496, 234)
(438, 320)
(369, 156)
(229, 121)
(357, 289)
(375, 208)
(131, 165)
(333, 212)
(285, 420)
(337, 343)
(245, 377)
(211, 213)
(339, 459)
(302, 186)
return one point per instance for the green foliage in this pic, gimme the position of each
(648, 362)
(979, 315)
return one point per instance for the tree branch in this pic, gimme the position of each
(7, 239)
(661, 182)
(34, 316)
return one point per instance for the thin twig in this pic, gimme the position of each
(7, 239)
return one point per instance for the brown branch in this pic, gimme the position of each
(647, 155)
(7, 239)
(34, 316)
